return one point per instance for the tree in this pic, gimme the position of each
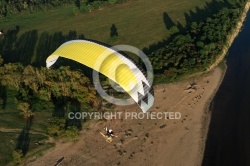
(113, 31)
(17, 156)
(200, 44)
(174, 30)
(71, 134)
(75, 11)
(112, 1)
(25, 110)
(1, 60)
(89, 7)
(97, 4)
(11, 75)
(194, 27)
(56, 126)
(78, 4)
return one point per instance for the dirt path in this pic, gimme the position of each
(4, 130)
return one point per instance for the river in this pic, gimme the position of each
(228, 141)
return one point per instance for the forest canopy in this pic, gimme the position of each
(198, 48)
(10, 7)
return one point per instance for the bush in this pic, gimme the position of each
(112, 1)
(56, 126)
(75, 11)
(17, 156)
(71, 134)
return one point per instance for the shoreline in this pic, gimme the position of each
(231, 37)
(207, 115)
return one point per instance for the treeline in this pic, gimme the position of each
(198, 48)
(41, 84)
(10, 7)
(89, 5)
(40, 89)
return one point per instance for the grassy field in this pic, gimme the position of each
(8, 144)
(11, 125)
(139, 23)
(10, 117)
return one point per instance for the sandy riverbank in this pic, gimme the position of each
(150, 142)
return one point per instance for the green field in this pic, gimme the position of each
(11, 126)
(10, 117)
(9, 141)
(139, 23)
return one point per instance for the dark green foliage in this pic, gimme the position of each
(174, 30)
(10, 7)
(56, 126)
(78, 4)
(69, 91)
(71, 134)
(113, 31)
(17, 156)
(198, 48)
(44, 84)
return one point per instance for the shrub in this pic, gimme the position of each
(71, 134)
(17, 156)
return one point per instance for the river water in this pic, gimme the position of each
(228, 142)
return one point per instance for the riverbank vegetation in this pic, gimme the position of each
(199, 48)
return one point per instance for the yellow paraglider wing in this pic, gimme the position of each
(111, 64)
